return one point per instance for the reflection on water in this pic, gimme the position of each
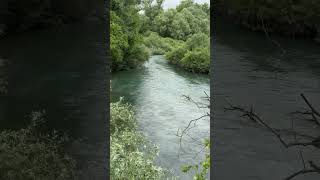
(249, 69)
(156, 92)
(61, 71)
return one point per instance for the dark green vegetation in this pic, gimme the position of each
(288, 17)
(141, 28)
(29, 154)
(20, 15)
(126, 42)
(132, 156)
(182, 34)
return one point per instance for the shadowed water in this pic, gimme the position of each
(61, 71)
(156, 92)
(251, 70)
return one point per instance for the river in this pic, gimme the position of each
(248, 69)
(156, 91)
(61, 71)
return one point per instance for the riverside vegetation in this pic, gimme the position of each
(31, 153)
(132, 156)
(143, 28)
(140, 29)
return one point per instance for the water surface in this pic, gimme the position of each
(61, 71)
(156, 92)
(248, 69)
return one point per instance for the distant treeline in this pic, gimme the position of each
(142, 28)
(21, 15)
(294, 18)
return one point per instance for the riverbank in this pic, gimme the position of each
(159, 121)
(132, 155)
(191, 55)
(293, 19)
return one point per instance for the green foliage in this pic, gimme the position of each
(151, 9)
(193, 55)
(132, 156)
(159, 45)
(184, 4)
(126, 42)
(118, 39)
(180, 23)
(163, 23)
(28, 154)
(138, 54)
(197, 60)
(201, 170)
(176, 54)
(199, 40)
(182, 34)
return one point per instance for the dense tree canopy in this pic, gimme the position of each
(127, 49)
(182, 34)
(180, 23)
(141, 27)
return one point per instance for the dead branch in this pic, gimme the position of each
(315, 141)
(193, 122)
(303, 171)
(314, 111)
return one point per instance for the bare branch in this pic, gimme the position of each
(304, 171)
(310, 106)
(315, 141)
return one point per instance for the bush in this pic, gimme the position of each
(197, 60)
(193, 55)
(132, 157)
(199, 40)
(139, 53)
(176, 54)
(159, 45)
(27, 154)
(127, 49)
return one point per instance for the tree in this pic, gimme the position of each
(152, 8)
(127, 50)
(184, 4)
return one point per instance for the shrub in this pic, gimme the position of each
(197, 60)
(139, 53)
(132, 156)
(199, 40)
(159, 45)
(27, 154)
(176, 54)
(193, 55)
